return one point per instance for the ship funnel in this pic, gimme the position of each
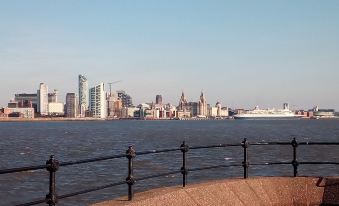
(286, 106)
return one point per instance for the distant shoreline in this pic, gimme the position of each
(61, 119)
(88, 119)
(48, 119)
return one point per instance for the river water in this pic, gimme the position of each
(31, 143)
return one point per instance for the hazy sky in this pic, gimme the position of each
(242, 53)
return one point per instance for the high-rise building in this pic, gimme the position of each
(202, 106)
(193, 108)
(158, 99)
(53, 97)
(31, 100)
(27, 100)
(71, 105)
(83, 95)
(97, 99)
(125, 98)
(43, 99)
(110, 105)
(114, 105)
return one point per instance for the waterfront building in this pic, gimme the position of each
(27, 100)
(56, 109)
(171, 111)
(186, 109)
(193, 107)
(117, 108)
(31, 100)
(162, 111)
(183, 106)
(158, 99)
(323, 113)
(83, 95)
(98, 102)
(12, 104)
(202, 106)
(218, 106)
(19, 112)
(224, 112)
(43, 99)
(71, 105)
(184, 114)
(304, 114)
(143, 107)
(125, 98)
(310, 114)
(213, 112)
(53, 97)
(114, 105)
(150, 113)
(219, 111)
(130, 112)
(110, 106)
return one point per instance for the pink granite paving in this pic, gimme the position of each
(252, 191)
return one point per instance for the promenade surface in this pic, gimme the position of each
(252, 191)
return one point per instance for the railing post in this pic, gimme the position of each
(52, 165)
(184, 148)
(130, 154)
(295, 162)
(245, 163)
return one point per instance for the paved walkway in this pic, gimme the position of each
(252, 191)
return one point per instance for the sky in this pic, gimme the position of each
(241, 53)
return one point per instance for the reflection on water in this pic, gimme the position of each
(29, 143)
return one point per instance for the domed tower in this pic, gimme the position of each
(202, 105)
(182, 102)
(218, 106)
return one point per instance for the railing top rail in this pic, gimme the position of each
(96, 159)
(32, 203)
(68, 163)
(157, 151)
(261, 143)
(318, 143)
(269, 143)
(215, 146)
(22, 169)
(289, 143)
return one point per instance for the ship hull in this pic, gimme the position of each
(267, 117)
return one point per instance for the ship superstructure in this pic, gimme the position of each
(258, 113)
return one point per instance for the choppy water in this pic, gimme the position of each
(28, 143)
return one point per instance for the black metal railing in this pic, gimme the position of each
(52, 165)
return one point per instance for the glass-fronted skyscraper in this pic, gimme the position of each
(83, 95)
(125, 98)
(43, 99)
(71, 105)
(97, 101)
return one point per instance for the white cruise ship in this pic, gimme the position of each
(257, 113)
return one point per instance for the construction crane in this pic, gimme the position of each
(110, 86)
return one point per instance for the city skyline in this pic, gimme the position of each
(189, 98)
(242, 54)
